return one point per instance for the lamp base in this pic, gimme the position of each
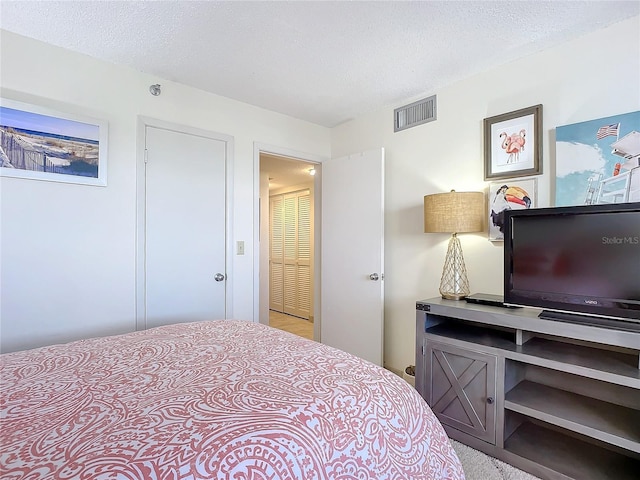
(454, 284)
(448, 296)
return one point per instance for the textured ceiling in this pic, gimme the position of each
(324, 62)
(285, 172)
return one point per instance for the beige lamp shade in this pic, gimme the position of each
(454, 212)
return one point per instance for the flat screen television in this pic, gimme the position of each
(576, 263)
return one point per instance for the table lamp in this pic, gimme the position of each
(454, 212)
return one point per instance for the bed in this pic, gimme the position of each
(221, 399)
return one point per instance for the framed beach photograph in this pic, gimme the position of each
(598, 161)
(509, 195)
(42, 144)
(513, 144)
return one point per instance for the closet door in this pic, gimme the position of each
(304, 256)
(297, 251)
(184, 228)
(276, 254)
(290, 259)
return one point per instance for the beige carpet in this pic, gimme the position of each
(478, 466)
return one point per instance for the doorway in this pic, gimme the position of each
(287, 243)
(351, 303)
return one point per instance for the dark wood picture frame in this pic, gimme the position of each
(513, 144)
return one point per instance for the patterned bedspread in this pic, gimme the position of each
(212, 400)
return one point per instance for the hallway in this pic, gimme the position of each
(289, 323)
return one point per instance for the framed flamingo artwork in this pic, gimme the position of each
(508, 195)
(513, 144)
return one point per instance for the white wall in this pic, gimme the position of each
(592, 77)
(67, 252)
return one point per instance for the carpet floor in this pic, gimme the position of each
(478, 466)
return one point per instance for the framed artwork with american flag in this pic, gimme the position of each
(598, 161)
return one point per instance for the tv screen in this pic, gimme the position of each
(579, 260)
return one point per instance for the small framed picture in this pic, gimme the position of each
(508, 195)
(513, 144)
(39, 143)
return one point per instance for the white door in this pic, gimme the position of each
(185, 227)
(352, 290)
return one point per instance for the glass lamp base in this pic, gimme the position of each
(454, 284)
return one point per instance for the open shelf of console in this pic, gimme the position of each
(613, 424)
(563, 456)
(560, 400)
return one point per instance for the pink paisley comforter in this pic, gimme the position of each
(212, 400)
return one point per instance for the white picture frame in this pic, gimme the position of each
(509, 194)
(39, 143)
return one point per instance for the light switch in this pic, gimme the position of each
(240, 247)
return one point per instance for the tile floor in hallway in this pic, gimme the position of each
(291, 324)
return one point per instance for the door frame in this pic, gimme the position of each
(140, 280)
(259, 148)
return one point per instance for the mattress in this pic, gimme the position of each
(220, 399)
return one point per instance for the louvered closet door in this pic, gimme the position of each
(304, 256)
(276, 254)
(297, 275)
(290, 287)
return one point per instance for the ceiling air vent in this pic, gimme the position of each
(414, 114)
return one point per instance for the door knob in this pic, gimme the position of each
(373, 276)
(218, 277)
